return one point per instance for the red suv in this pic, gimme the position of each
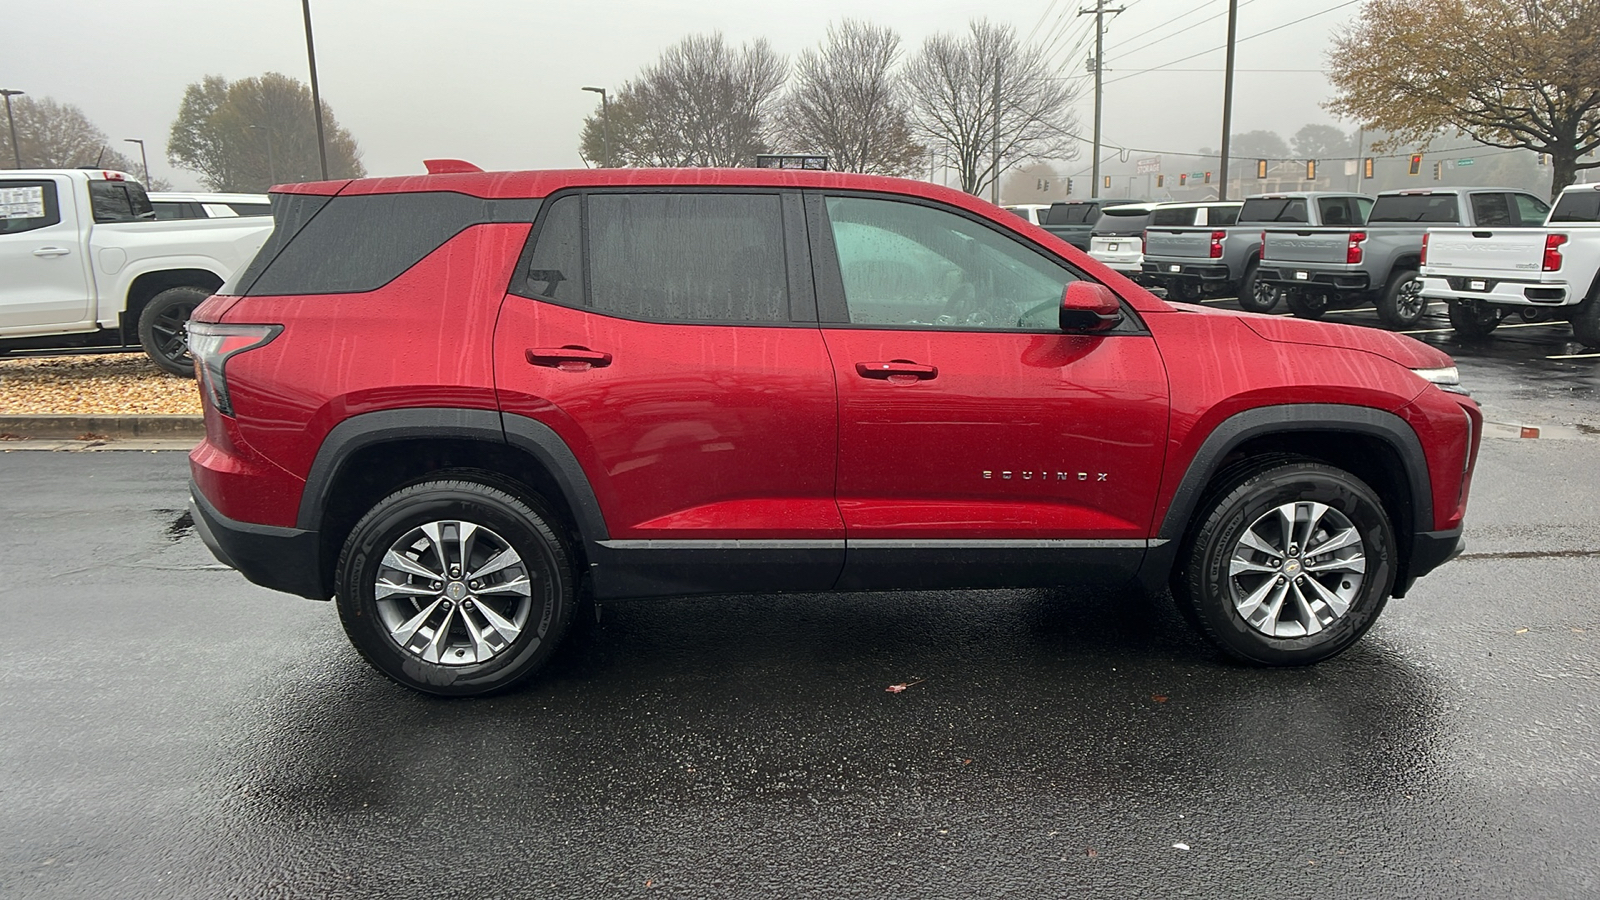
(456, 401)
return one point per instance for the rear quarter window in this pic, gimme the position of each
(119, 201)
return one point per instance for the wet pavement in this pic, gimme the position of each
(168, 730)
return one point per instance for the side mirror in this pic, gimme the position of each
(1088, 307)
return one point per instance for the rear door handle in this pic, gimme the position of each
(51, 251)
(893, 367)
(570, 358)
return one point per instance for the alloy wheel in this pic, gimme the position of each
(1296, 569)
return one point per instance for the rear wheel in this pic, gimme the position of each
(1586, 323)
(455, 588)
(1306, 304)
(1474, 318)
(1184, 290)
(1289, 566)
(1402, 305)
(164, 328)
(1256, 295)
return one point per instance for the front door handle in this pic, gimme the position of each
(897, 369)
(571, 358)
(51, 251)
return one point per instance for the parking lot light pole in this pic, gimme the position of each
(143, 160)
(316, 95)
(605, 121)
(16, 151)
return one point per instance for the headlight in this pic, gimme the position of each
(1448, 378)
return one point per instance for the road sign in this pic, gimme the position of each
(1465, 162)
(1149, 165)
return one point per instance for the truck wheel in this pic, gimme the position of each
(1290, 566)
(455, 588)
(1586, 323)
(1402, 305)
(1181, 289)
(1256, 295)
(1306, 305)
(1474, 318)
(164, 328)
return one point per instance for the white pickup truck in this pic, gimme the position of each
(1537, 274)
(84, 263)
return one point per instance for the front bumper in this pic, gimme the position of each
(283, 559)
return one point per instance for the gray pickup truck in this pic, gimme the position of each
(1333, 268)
(1212, 262)
(1072, 220)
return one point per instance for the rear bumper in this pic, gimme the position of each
(1501, 292)
(1292, 276)
(283, 559)
(1209, 272)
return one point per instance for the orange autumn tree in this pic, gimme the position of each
(1517, 74)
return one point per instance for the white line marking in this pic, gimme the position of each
(1517, 325)
(1574, 356)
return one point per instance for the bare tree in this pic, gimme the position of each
(847, 102)
(702, 103)
(56, 135)
(962, 86)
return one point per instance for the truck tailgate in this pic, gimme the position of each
(1178, 243)
(1477, 251)
(1315, 246)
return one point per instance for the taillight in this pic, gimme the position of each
(1424, 260)
(1216, 243)
(1144, 240)
(1352, 254)
(1552, 251)
(212, 344)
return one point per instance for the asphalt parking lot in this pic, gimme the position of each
(168, 730)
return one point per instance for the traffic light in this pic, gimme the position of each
(1544, 159)
(1416, 164)
(1261, 168)
(1108, 181)
(1438, 171)
(1183, 179)
(1069, 187)
(1161, 181)
(1208, 178)
(1367, 171)
(1311, 170)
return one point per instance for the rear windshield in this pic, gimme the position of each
(1414, 208)
(1577, 206)
(1222, 215)
(1168, 217)
(1274, 209)
(1123, 221)
(1070, 214)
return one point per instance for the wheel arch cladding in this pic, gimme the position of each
(145, 287)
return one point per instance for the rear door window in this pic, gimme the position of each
(1492, 210)
(28, 205)
(1530, 209)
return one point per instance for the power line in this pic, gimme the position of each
(1179, 32)
(1171, 21)
(1239, 41)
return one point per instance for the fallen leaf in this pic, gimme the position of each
(1577, 631)
(900, 688)
(1180, 846)
(1520, 631)
(649, 882)
(1159, 698)
(1093, 853)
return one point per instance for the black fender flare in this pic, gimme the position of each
(1288, 418)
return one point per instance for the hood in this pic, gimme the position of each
(1408, 352)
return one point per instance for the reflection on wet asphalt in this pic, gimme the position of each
(167, 730)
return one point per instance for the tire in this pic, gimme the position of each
(1274, 611)
(1586, 323)
(1257, 296)
(163, 328)
(1401, 305)
(398, 544)
(1474, 319)
(1182, 290)
(1306, 305)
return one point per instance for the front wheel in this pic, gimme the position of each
(1402, 305)
(164, 328)
(455, 588)
(1256, 295)
(1305, 304)
(1474, 318)
(1586, 323)
(1290, 566)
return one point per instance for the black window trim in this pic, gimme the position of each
(797, 262)
(834, 312)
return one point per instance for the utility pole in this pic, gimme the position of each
(316, 95)
(1227, 95)
(16, 151)
(1099, 13)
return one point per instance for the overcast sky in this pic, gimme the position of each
(497, 81)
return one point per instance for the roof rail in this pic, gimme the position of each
(449, 166)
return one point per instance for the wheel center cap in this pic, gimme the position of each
(1292, 567)
(455, 590)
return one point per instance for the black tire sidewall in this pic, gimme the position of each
(1207, 587)
(159, 304)
(1389, 303)
(525, 527)
(1303, 308)
(1464, 320)
(1247, 297)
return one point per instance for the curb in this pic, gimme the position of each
(103, 428)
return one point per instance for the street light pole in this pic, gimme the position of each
(143, 160)
(316, 95)
(16, 151)
(605, 121)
